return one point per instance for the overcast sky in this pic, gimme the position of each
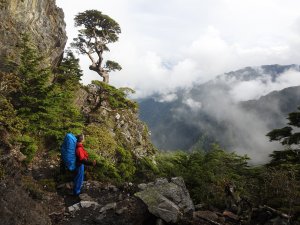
(172, 43)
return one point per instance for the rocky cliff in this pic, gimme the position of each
(107, 108)
(41, 19)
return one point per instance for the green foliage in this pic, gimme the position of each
(63, 115)
(28, 147)
(114, 162)
(282, 175)
(116, 98)
(9, 84)
(170, 164)
(287, 159)
(97, 24)
(99, 30)
(127, 90)
(47, 109)
(285, 135)
(146, 169)
(8, 118)
(125, 164)
(100, 140)
(105, 170)
(30, 100)
(280, 188)
(112, 65)
(68, 74)
(206, 174)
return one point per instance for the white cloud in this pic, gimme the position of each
(199, 39)
(194, 105)
(170, 97)
(253, 89)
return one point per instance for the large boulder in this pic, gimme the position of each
(169, 201)
(41, 19)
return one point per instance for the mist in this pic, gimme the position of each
(221, 109)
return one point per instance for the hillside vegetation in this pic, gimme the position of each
(39, 105)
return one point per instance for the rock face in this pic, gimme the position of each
(121, 123)
(169, 201)
(41, 19)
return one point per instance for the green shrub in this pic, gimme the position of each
(125, 164)
(8, 118)
(28, 147)
(104, 170)
(117, 98)
(206, 174)
(146, 170)
(100, 140)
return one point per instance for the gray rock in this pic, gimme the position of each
(160, 181)
(88, 204)
(108, 206)
(74, 208)
(85, 197)
(117, 116)
(121, 211)
(142, 186)
(42, 18)
(167, 200)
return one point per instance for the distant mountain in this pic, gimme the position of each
(274, 107)
(222, 110)
(251, 73)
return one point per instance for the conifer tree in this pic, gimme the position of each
(289, 137)
(286, 135)
(31, 100)
(63, 115)
(68, 73)
(99, 30)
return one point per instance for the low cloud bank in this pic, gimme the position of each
(216, 110)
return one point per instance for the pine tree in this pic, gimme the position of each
(31, 99)
(63, 115)
(286, 135)
(289, 137)
(99, 30)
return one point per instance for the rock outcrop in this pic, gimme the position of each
(41, 19)
(169, 201)
(121, 123)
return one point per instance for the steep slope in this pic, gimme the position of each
(30, 172)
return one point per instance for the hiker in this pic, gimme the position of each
(81, 160)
